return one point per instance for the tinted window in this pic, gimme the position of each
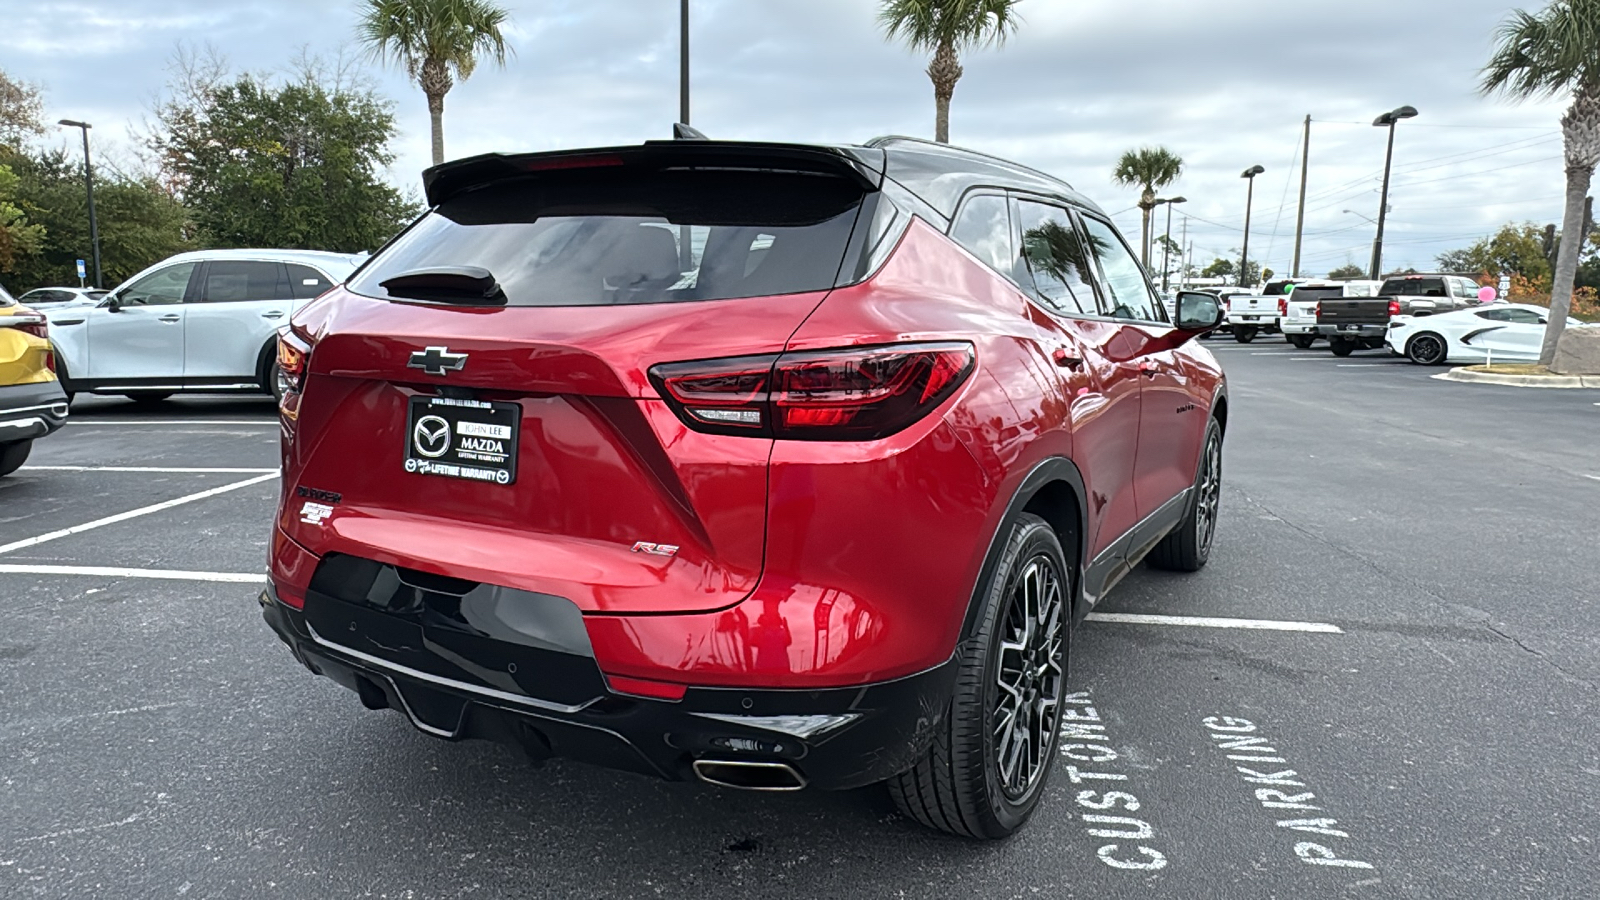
(1495, 315)
(983, 226)
(596, 240)
(1412, 287)
(237, 281)
(1464, 288)
(1127, 293)
(1525, 316)
(159, 288)
(1315, 293)
(1056, 257)
(307, 282)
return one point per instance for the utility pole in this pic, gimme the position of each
(1300, 217)
(88, 181)
(683, 62)
(1183, 272)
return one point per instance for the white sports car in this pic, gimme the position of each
(1502, 331)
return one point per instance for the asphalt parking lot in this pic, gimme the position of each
(1422, 718)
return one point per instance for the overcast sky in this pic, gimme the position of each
(1225, 84)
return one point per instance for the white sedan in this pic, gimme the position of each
(1511, 332)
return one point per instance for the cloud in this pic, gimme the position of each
(1226, 84)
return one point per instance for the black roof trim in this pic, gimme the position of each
(957, 152)
(942, 174)
(863, 165)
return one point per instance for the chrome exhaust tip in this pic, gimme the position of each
(749, 775)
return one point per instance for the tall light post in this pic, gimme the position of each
(683, 61)
(1249, 200)
(88, 180)
(1390, 119)
(1166, 244)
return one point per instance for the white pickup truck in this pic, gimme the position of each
(1297, 307)
(1250, 314)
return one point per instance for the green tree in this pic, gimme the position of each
(1347, 272)
(1517, 249)
(140, 222)
(21, 111)
(1219, 268)
(946, 28)
(18, 238)
(438, 42)
(294, 165)
(1552, 53)
(1150, 169)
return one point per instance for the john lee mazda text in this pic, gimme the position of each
(770, 465)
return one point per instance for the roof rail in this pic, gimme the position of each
(955, 149)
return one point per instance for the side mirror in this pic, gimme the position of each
(113, 303)
(1198, 312)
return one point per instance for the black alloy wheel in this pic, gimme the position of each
(1427, 349)
(991, 756)
(1188, 547)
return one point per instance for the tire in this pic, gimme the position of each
(1245, 334)
(963, 785)
(1341, 346)
(1303, 341)
(148, 398)
(63, 377)
(1188, 547)
(13, 455)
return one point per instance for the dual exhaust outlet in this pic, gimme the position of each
(749, 775)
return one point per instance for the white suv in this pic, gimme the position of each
(201, 321)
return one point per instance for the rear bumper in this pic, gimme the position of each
(1291, 326)
(29, 411)
(1258, 320)
(1354, 333)
(464, 683)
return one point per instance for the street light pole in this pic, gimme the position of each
(1390, 119)
(88, 180)
(1249, 200)
(683, 62)
(1166, 243)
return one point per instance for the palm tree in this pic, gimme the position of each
(1555, 52)
(947, 27)
(438, 41)
(1150, 169)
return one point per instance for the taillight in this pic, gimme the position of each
(294, 352)
(829, 395)
(1283, 307)
(37, 326)
(1394, 307)
(1319, 309)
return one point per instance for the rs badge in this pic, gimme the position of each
(315, 513)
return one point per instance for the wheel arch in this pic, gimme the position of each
(1053, 490)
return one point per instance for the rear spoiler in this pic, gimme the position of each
(862, 165)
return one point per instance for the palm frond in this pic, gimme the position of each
(929, 24)
(458, 33)
(1543, 54)
(1149, 168)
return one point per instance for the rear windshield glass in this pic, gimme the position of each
(1316, 293)
(1413, 287)
(662, 237)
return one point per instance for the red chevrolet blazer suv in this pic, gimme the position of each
(768, 465)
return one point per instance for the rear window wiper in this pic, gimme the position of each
(461, 285)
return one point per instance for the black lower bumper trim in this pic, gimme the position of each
(31, 411)
(835, 738)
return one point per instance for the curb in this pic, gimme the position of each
(1528, 381)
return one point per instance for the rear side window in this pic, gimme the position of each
(306, 282)
(230, 281)
(983, 226)
(1413, 287)
(664, 237)
(1128, 295)
(1056, 258)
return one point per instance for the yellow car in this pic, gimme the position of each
(32, 404)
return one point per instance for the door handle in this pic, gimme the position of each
(171, 319)
(1149, 369)
(272, 314)
(1063, 357)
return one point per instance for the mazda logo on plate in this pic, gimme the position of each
(431, 436)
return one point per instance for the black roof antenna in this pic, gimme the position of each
(682, 132)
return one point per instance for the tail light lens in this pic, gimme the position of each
(38, 326)
(1283, 306)
(1319, 309)
(294, 353)
(1394, 307)
(830, 395)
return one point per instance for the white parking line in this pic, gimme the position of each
(1595, 477)
(1202, 622)
(155, 469)
(108, 572)
(134, 513)
(1362, 365)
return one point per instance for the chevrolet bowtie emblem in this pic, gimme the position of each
(437, 361)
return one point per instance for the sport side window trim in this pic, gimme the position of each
(1101, 286)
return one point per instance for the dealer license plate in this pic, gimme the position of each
(467, 439)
